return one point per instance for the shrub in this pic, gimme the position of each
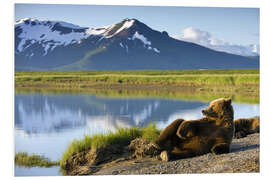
(23, 159)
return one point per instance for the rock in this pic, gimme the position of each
(93, 157)
(105, 154)
(76, 159)
(143, 148)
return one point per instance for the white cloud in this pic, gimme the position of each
(204, 38)
(195, 35)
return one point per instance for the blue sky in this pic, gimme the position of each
(231, 25)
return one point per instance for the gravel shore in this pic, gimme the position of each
(244, 158)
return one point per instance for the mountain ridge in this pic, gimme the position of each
(129, 44)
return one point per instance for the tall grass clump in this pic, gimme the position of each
(121, 135)
(150, 132)
(23, 159)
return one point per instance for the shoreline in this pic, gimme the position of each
(243, 158)
(201, 93)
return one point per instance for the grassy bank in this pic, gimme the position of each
(82, 79)
(101, 140)
(23, 159)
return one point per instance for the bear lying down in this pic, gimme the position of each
(187, 138)
(246, 126)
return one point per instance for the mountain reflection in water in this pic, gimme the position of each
(37, 113)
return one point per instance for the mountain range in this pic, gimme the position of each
(127, 45)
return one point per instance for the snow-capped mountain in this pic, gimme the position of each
(129, 44)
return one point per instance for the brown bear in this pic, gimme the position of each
(187, 138)
(245, 126)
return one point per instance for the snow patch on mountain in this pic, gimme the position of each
(93, 31)
(41, 32)
(32, 21)
(121, 45)
(127, 24)
(144, 40)
(126, 48)
(46, 47)
(20, 46)
(141, 37)
(156, 50)
(69, 25)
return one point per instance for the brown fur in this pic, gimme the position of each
(245, 126)
(212, 133)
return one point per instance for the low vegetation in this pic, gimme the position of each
(230, 81)
(83, 78)
(23, 159)
(122, 135)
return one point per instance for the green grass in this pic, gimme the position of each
(23, 159)
(150, 132)
(143, 72)
(236, 81)
(85, 81)
(230, 77)
(122, 135)
(78, 82)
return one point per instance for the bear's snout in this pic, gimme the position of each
(205, 112)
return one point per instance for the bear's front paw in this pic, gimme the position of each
(220, 148)
(164, 156)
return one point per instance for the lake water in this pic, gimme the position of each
(46, 124)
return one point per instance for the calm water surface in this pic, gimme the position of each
(46, 124)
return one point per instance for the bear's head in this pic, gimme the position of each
(256, 124)
(219, 109)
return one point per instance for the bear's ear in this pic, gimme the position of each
(228, 100)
